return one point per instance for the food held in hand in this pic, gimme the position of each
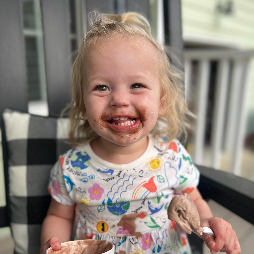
(183, 211)
(84, 247)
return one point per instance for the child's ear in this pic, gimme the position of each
(83, 113)
(83, 117)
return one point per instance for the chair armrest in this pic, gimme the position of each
(233, 192)
(3, 217)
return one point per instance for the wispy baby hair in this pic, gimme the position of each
(129, 24)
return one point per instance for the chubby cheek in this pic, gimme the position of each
(149, 109)
(148, 117)
(93, 118)
(93, 107)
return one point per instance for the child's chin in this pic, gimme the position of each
(124, 140)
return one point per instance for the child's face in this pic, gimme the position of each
(121, 88)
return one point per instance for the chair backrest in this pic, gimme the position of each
(57, 54)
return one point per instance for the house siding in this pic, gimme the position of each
(201, 19)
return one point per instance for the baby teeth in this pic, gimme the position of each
(120, 118)
(128, 123)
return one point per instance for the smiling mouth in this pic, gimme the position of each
(124, 124)
(122, 121)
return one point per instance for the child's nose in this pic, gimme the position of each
(119, 99)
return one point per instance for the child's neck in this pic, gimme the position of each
(118, 154)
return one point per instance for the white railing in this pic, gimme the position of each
(231, 84)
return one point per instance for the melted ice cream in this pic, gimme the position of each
(83, 247)
(184, 212)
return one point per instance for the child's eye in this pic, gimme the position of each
(101, 88)
(137, 85)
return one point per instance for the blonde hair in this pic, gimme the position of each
(173, 123)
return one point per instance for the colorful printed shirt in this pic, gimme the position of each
(126, 204)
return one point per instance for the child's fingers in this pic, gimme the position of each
(220, 230)
(54, 243)
(237, 247)
(209, 241)
(232, 246)
(229, 244)
(225, 239)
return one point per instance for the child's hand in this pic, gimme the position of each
(53, 242)
(225, 238)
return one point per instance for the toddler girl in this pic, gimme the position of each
(118, 183)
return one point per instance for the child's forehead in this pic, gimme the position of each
(121, 51)
(122, 48)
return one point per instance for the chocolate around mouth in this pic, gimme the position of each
(122, 121)
(124, 128)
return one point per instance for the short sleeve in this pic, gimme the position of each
(187, 172)
(57, 187)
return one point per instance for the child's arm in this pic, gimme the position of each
(225, 237)
(57, 226)
(202, 206)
